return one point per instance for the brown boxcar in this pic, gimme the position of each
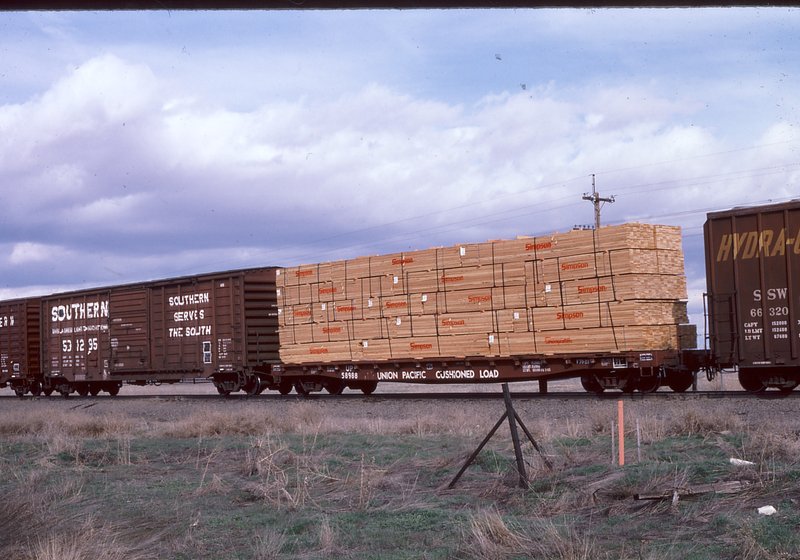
(19, 346)
(221, 326)
(752, 267)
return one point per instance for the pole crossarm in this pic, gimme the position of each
(597, 201)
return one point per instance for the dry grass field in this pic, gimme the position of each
(172, 477)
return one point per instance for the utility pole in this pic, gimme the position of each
(595, 199)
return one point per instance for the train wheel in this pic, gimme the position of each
(65, 390)
(36, 388)
(334, 386)
(591, 385)
(300, 388)
(648, 384)
(368, 387)
(223, 391)
(787, 390)
(751, 382)
(20, 391)
(630, 386)
(680, 381)
(113, 390)
(83, 389)
(94, 389)
(253, 385)
(285, 387)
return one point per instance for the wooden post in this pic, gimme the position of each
(638, 442)
(512, 424)
(513, 419)
(621, 431)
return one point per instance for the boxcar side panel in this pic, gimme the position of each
(77, 341)
(183, 316)
(222, 322)
(261, 318)
(752, 262)
(129, 331)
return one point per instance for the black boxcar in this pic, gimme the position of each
(752, 268)
(221, 326)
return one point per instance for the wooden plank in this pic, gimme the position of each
(456, 301)
(480, 322)
(465, 255)
(513, 320)
(466, 278)
(395, 306)
(368, 329)
(424, 325)
(624, 287)
(418, 347)
(461, 346)
(418, 261)
(421, 282)
(422, 303)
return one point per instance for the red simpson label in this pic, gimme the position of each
(345, 308)
(319, 351)
(450, 279)
(396, 304)
(592, 289)
(539, 246)
(453, 322)
(331, 330)
(479, 299)
(570, 316)
(563, 340)
(421, 346)
(327, 290)
(407, 260)
(301, 273)
(574, 266)
(302, 313)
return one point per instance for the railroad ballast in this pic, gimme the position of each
(607, 306)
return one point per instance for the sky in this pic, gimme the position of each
(145, 145)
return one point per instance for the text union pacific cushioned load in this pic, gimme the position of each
(619, 288)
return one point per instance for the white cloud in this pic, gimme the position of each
(27, 253)
(280, 148)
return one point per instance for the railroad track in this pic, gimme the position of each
(526, 395)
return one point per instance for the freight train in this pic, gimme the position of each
(605, 306)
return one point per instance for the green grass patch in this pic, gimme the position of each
(132, 493)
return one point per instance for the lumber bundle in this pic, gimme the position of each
(620, 288)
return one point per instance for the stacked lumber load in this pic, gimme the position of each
(620, 288)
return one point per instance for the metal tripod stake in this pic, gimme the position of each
(513, 419)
